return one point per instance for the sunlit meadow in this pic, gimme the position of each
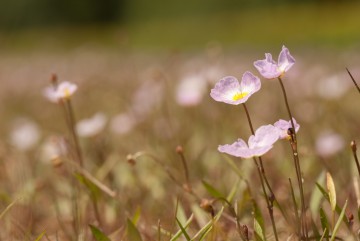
(102, 143)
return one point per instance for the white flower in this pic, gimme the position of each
(190, 90)
(52, 148)
(329, 143)
(122, 123)
(25, 134)
(63, 90)
(92, 126)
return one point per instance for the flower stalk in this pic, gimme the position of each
(294, 148)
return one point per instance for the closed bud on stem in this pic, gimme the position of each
(353, 146)
(179, 149)
(57, 162)
(351, 218)
(206, 205)
(53, 79)
(131, 160)
(245, 230)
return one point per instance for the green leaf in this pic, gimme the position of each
(325, 234)
(259, 228)
(132, 232)
(40, 236)
(208, 227)
(8, 208)
(136, 216)
(258, 231)
(98, 235)
(244, 204)
(178, 233)
(338, 223)
(212, 191)
(183, 230)
(337, 208)
(232, 192)
(316, 197)
(94, 190)
(324, 222)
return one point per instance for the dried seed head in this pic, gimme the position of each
(206, 205)
(353, 146)
(57, 162)
(179, 149)
(131, 160)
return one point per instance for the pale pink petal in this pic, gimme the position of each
(264, 136)
(284, 125)
(286, 61)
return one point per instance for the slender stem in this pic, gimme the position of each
(180, 151)
(242, 235)
(295, 208)
(268, 203)
(73, 131)
(354, 148)
(293, 142)
(352, 78)
(262, 176)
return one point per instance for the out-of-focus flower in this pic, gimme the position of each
(147, 97)
(329, 143)
(25, 134)
(258, 144)
(230, 91)
(122, 123)
(92, 126)
(284, 126)
(53, 148)
(63, 90)
(333, 87)
(269, 69)
(190, 90)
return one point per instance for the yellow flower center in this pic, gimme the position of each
(239, 96)
(66, 93)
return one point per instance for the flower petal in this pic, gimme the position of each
(264, 136)
(267, 67)
(226, 89)
(284, 125)
(250, 83)
(285, 61)
(239, 149)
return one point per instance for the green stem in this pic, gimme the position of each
(296, 161)
(262, 176)
(73, 131)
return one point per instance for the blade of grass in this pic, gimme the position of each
(183, 231)
(40, 236)
(338, 223)
(207, 228)
(212, 190)
(133, 233)
(98, 235)
(178, 233)
(337, 208)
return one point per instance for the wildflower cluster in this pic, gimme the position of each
(230, 91)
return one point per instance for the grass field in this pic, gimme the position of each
(151, 166)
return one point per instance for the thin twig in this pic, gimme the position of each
(352, 78)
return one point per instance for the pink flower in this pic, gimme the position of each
(283, 127)
(230, 91)
(269, 69)
(63, 90)
(258, 144)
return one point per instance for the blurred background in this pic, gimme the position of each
(144, 71)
